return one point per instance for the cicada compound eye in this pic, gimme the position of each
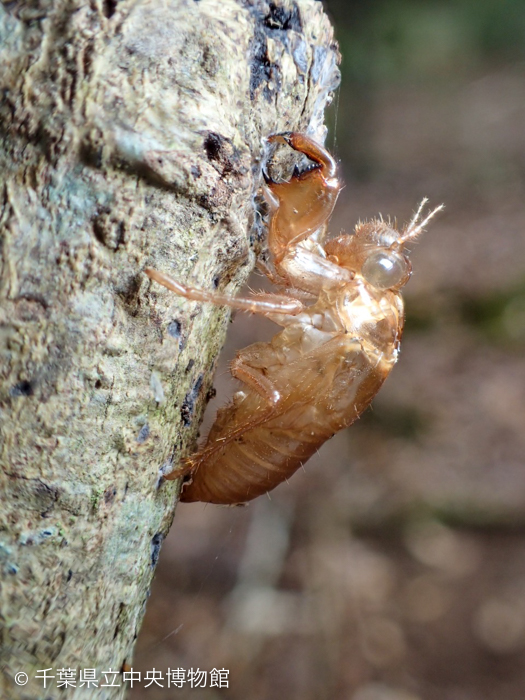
(386, 269)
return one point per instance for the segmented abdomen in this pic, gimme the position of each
(261, 458)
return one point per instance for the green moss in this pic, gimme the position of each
(95, 499)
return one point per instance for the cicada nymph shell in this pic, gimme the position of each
(342, 322)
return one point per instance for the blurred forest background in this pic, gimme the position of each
(393, 568)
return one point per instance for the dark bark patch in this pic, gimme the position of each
(87, 58)
(175, 328)
(263, 71)
(224, 155)
(156, 544)
(283, 18)
(91, 153)
(213, 144)
(188, 405)
(175, 331)
(23, 388)
(260, 64)
(121, 619)
(109, 8)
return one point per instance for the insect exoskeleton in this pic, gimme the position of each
(341, 314)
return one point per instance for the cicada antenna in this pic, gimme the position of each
(414, 228)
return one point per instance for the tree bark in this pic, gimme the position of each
(132, 134)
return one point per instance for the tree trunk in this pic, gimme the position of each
(132, 134)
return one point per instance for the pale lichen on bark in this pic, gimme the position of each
(132, 134)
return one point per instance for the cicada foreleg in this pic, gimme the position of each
(304, 144)
(304, 203)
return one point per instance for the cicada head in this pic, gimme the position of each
(376, 250)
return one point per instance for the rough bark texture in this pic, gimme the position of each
(132, 134)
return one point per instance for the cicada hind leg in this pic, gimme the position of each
(232, 422)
